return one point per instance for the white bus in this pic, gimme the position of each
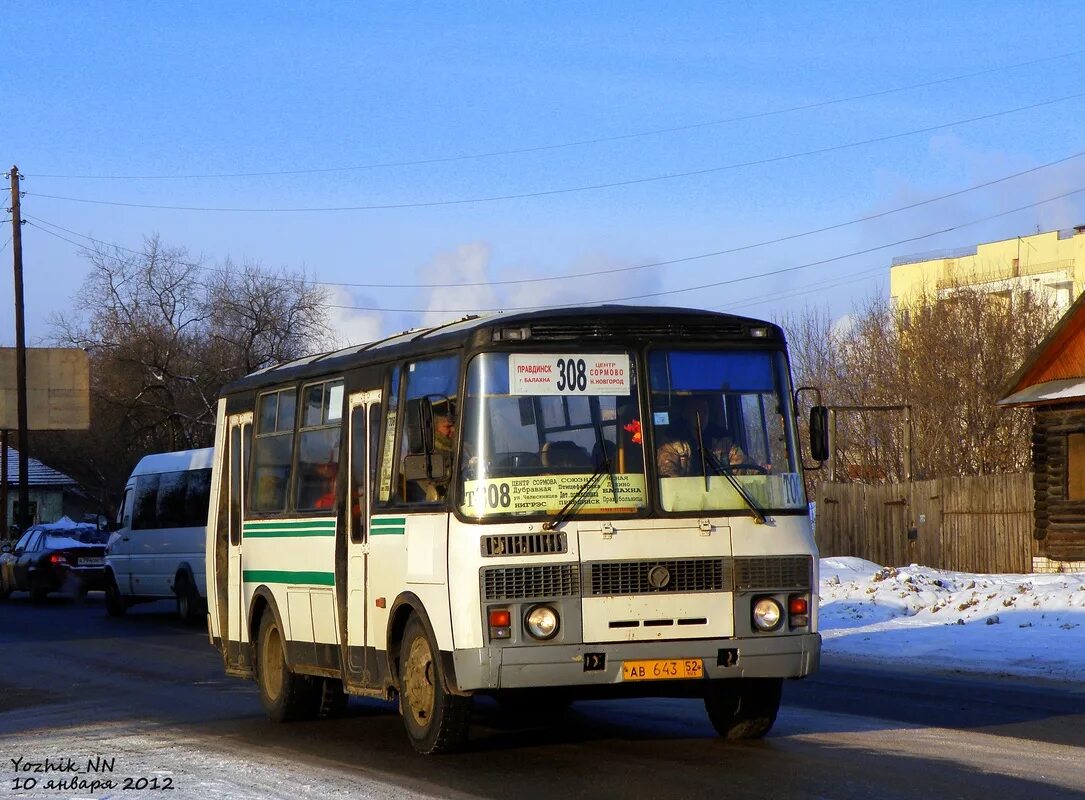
(157, 551)
(544, 507)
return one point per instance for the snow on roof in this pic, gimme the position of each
(1066, 389)
(38, 473)
(177, 461)
(64, 524)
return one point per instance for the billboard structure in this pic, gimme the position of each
(57, 389)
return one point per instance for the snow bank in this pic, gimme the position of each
(1029, 625)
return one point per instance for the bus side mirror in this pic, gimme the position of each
(819, 433)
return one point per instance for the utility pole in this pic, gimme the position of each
(22, 517)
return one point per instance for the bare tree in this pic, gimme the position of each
(164, 335)
(947, 355)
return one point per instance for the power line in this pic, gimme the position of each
(715, 284)
(572, 189)
(615, 270)
(820, 286)
(581, 142)
(730, 281)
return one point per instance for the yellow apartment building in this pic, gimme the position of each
(1052, 263)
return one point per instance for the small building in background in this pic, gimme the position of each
(52, 494)
(1052, 382)
(1051, 264)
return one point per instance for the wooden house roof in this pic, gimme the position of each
(1055, 370)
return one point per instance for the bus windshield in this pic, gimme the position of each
(719, 415)
(545, 430)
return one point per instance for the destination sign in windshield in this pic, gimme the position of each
(569, 374)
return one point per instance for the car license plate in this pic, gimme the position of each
(90, 562)
(662, 669)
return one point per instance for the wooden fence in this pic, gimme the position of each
(974, 524)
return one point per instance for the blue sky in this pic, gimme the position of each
(175, 90)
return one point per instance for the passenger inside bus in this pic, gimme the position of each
(444, 433)
(678, 452)
(326, 474)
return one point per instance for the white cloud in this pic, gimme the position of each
(350, 326)
(467, 264)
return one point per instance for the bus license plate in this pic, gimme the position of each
(662, 669)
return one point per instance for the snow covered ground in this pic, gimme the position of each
(916, 617)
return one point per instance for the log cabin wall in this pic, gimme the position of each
(1058, 456)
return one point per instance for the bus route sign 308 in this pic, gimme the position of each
(570, 373)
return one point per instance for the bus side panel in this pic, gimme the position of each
(387, 572)
(295, 559)
(427, 571)
(464, 565)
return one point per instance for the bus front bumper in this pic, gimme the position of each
(492, 668)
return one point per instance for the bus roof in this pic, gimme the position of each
(175, 462)
(656, 323)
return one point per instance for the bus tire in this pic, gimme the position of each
(743, 708)
(285, 695)
(115, 604)
(436, 721)
(189, 603)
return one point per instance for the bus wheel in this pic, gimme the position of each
(743, 708)
(436, 721)
(115, 604)
(285, 695)
(189, 604)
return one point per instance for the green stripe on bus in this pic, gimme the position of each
(286, 533)
(389, 522)
(375, 531)
(289, 523)
(283, 576)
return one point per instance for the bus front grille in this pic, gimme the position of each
(764, 573)
(524, 544)
(677, 576)
(520, 583)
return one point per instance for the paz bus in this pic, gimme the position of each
(543, 507)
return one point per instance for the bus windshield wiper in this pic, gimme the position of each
(606, 463)
(578, 498)
(708, 459)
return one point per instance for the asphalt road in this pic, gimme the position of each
(151, 694)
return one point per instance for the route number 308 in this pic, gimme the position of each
(572, 375)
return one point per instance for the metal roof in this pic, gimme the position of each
(38, 473)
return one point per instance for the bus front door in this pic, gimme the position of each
(228, 547)
(364, 436)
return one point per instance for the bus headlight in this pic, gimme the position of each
(767, 614)
(542, 622)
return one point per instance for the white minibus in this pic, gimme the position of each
(157, 551)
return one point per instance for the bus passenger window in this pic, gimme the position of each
(318, 446)
(273, 451)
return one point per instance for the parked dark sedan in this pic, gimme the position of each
(55, 557)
